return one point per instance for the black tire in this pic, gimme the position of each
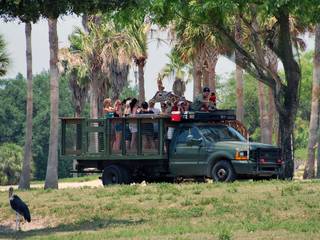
(126, 175)
(112, 175)
(222, 171)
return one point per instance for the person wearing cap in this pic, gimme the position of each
(201, 102)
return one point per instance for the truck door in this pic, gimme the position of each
(185, 156)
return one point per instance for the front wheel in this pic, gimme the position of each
(222, 171)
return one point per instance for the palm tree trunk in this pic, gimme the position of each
(141, 80)
(263, 113)
(196, 79)
(209, 78)
(309, 171)
(205, 75)
(239, 76)
(239, 93)
(271, 110)
(24, 182)
(52, 166)
(212, 72)
(318, 154)
(93, 138)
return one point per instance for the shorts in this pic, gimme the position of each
(128, 134)
(118, 127)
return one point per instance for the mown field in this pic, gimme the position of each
(239, 210)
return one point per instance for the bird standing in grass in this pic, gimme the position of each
(19, 207)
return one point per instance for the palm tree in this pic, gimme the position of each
(104, 53)
(72, 66)
(309, 171)
(198, 46)
(181, 72)
(24, 182)
(138, 30)
(52, 166)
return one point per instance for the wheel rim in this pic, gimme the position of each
(222, 174)
(112, 177)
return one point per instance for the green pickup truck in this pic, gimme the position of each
(150, 147)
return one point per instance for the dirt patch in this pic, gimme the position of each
(9, 225)
(93, 183)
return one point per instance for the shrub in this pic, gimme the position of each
(11, 156)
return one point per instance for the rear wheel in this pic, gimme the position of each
(126, 175)
(112, 175)
(222, 171)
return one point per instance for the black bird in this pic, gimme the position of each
(19, 207)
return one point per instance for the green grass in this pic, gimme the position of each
(239, 210)
(301, 154)
(76, 179)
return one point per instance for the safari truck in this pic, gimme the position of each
(190, 145)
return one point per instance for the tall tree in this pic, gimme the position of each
(309, 171)
(27, 13)
(52, 167)
(24, 182)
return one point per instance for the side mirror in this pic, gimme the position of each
(193, 141)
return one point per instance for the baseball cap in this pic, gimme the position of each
(144, 105)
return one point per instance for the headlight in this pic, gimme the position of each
(241, 155)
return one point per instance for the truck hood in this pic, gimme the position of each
(240, 145)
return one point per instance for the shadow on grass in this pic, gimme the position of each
(87, 225)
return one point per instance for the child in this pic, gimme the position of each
(212, 101)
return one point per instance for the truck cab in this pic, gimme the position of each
(197, 144)
(220, 152)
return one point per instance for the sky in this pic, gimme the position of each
(13, 33)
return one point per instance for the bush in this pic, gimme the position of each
(11, 156)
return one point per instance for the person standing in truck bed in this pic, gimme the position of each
(201, 102)
(147, 128)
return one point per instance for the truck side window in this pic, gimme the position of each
(185, 132)
(210, 133)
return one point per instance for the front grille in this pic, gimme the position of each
(269, 155)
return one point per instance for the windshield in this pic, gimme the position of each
(219, 133)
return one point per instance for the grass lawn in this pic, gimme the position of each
(239, 210)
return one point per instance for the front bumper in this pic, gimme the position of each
(256, 169)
